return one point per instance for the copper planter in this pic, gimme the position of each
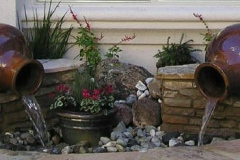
(220, 75)
(78, 127)
(17, 71)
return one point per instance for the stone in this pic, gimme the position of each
(104, 140)
(146, 112)
(131, 99)
(30, 140)
(140, 133)
(148, 80)
(99, 150)
(115, 135)
(122, 142)
(152, 132)
(128, 135)
(142, 95)
(141, 86)
(112, 149)
(155, 89)
(110, 144)
(120, 148)
(136, 148)
(148, 128)
(139, 93)
(124, 114)
(173, 142)
(146, 92)
(122, 76)
(156, 141)
(121, 127)
(13, 141)
(67, 150)
(160, 134)
(83, 150)
(190, 143)
(168, 136)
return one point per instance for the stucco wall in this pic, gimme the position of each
(8, 12)
(152, 23)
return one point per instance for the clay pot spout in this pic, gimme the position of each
(17, 70)
(219, 77)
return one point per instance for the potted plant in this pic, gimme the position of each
(176, 54)
(46, 37)
(86, 106)
(85, 110)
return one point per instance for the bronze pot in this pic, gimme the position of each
(220, 75)
(17, 71)
(77, 126)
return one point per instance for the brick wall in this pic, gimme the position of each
(183, 105)
(12, 110)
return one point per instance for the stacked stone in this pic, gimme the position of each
(183, 105)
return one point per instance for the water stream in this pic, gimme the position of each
(35, 114)
(209, 109)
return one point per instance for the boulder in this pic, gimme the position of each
(122, 76)
(146, 111)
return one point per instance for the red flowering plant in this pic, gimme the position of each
(90, 100)
(84, 94)
(209, 35)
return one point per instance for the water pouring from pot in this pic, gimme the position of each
(219, 76)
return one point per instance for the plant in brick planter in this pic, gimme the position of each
(176, 54)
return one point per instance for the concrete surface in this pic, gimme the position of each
(226, 150)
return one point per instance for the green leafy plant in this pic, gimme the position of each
(83, 95)
(175, 54)
(88, 43)
(47, 38)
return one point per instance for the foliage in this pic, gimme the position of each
(208, 36)
(88, 44)
(47, 38)
(83, 94)
(175, 54)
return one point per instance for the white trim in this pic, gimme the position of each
(151, 22)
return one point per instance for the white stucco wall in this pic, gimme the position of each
(151, 22)
(8, 12)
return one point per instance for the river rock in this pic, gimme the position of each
(141, 86)
(124, 114)
(190, 143)
(146, 112)
(131, 99)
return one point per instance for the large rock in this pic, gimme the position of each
(122, 76)
(146, 112)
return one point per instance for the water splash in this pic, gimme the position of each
(35, 114)
(210, 106)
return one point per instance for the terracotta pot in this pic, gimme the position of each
(17, 71)
(78, 126)
(220, 75)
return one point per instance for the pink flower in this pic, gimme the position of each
(96, 92)
(85, 93)
(108, 89)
